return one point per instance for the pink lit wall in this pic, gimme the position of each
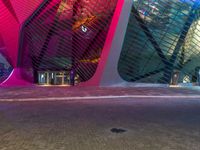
(13, 14)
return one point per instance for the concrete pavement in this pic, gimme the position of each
(150, 123)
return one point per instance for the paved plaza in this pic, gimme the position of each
(29, 121)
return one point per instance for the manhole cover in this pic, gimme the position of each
(117, 130)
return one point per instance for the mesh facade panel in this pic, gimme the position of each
(162, 38)
(65, 35)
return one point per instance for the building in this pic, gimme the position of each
(104, 43)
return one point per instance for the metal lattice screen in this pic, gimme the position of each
(66, 35)
(163, 37)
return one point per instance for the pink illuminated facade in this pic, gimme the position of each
(56, 36)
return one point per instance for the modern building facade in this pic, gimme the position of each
(100, 42)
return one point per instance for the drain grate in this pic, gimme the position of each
(118, 130)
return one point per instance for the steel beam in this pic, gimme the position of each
(171, 64)
(149, 36)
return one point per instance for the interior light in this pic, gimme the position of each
(84, 29)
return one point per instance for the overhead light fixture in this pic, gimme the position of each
(84, 29)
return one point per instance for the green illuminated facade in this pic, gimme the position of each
(162, 42)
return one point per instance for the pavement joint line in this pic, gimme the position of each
(100, 97)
